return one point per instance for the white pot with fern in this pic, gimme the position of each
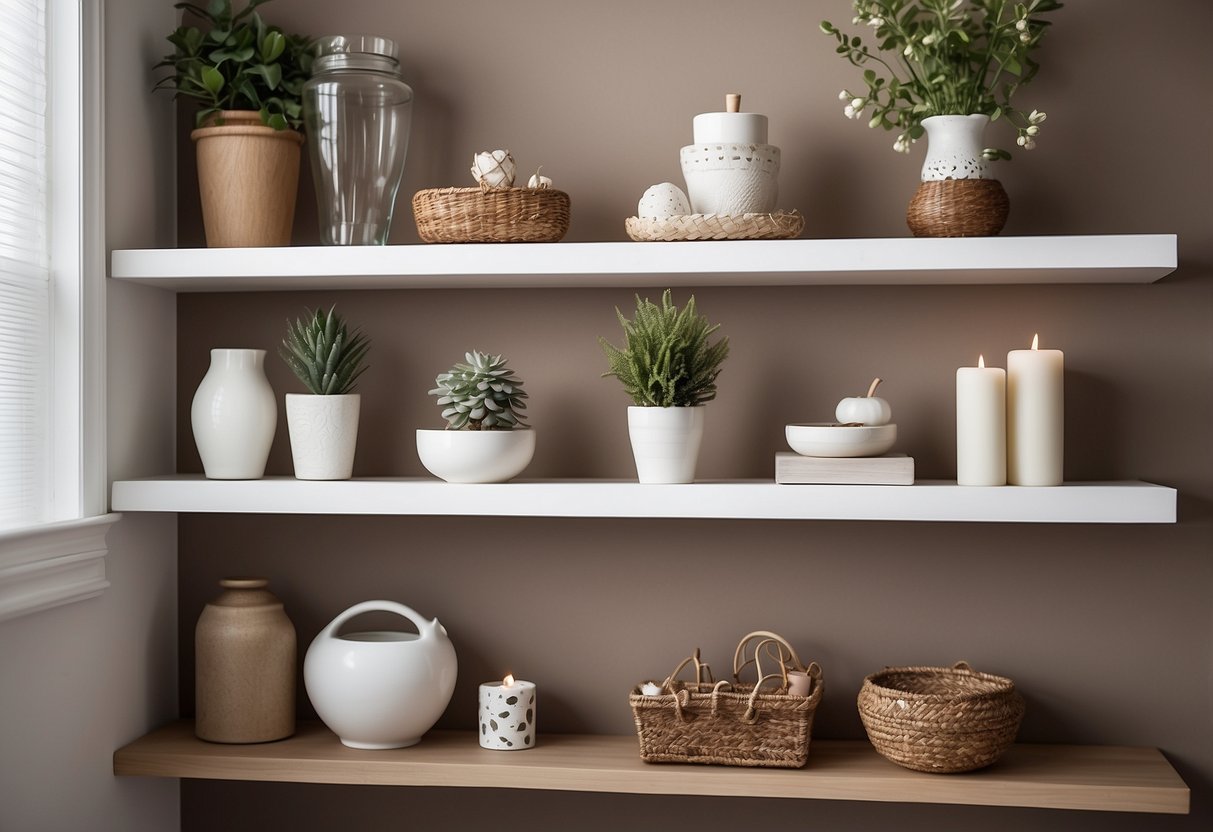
(323, 424)
(669, 368)
(486, 438)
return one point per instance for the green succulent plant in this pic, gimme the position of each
(482, 394)
(666, 360)
(323, 354)
(239, 63)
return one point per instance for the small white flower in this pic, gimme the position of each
(929, 39)
(1036, 117)
(1032, 130)
(859, 104)
(849, 112)
(1021, 141)
(855, 20)
(900, 145)
(909, 50)
(876, 22)
(1024, 37)
(1029, 145)
(844, 96)
(1021, 25)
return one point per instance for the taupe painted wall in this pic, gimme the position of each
(1107, 630)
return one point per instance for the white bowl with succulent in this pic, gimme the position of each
(323, 424)
(669, 368)
(486, 438)
(951, 68)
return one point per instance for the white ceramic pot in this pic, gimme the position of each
(234, 415)
(954, 146)
(380, 689)
(731, 178)
(476, 455)
(324, 433)
(665, 442)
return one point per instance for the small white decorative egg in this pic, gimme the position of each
(661, 201)
(494, 169)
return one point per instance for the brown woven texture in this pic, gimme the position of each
(958, 208)
(781, 225)
(727, 723)
(503, 215)
(940, 719)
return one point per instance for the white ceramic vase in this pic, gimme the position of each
(731, 179)
(954, 146)
(665, 442)
(380, 689)
(234, 415)
(324, 434)
(476, 455)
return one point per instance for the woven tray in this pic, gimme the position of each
(782, 225)
(940, 719)
(730, 723)
(503, 215)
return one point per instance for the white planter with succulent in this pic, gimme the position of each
(952, 69)
(323, 424)
(669, 368)
(486, 439)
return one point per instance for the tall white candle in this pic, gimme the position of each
(981, 425)
(507, 715)
(1035, 415)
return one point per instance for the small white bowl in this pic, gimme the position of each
(476, 455)
(834, 440)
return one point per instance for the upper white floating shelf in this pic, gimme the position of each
(938, 501)
(1122, 258)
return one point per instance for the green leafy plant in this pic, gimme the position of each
(239, 63)
(666, 360)
(483, 394)
(946, 57)
(323, 354)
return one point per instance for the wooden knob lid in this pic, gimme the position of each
(732, 102)
(244, 583)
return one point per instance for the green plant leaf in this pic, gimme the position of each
(212, 79)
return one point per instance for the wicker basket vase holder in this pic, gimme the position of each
(958, 208)
(497, 215)
(940, 719)
(732, 723)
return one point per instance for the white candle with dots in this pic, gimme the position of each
(507, 715)
(1035, 415)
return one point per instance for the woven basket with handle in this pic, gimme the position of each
(732, 723)
(501, 215)
(940, 719)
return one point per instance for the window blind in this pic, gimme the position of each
(24, 265)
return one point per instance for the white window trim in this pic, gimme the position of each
(64, 561)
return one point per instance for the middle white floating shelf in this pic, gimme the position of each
(930, 500)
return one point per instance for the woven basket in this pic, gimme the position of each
(958, 208)
(781, 225)
(940, 719)
(503, 215)
(730, 723)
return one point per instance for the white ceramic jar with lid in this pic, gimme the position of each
(731, 169)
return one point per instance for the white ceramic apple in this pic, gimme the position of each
(864, 410)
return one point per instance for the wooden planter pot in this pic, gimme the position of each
(248, 177)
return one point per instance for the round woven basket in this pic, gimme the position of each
(503, 215)
(958, 208)
(940, 719)
(781, 225)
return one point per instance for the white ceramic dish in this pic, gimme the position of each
(476, 455)
(834, 440)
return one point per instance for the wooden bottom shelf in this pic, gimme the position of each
(1100, 778)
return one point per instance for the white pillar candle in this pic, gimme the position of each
(981, 425)
(507, 715)
(1035, 416)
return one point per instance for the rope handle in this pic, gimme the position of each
(700, 669)
(963, 665)
(774, 645)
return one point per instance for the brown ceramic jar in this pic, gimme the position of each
(244, 666)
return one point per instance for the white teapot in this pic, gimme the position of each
(380, 689)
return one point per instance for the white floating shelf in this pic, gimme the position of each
(936, 501)
(1127, 258)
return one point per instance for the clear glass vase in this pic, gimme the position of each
(357, 113)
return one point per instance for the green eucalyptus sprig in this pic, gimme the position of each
(666, 360)
(323, 354)
(944, 57)
(239, 63)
